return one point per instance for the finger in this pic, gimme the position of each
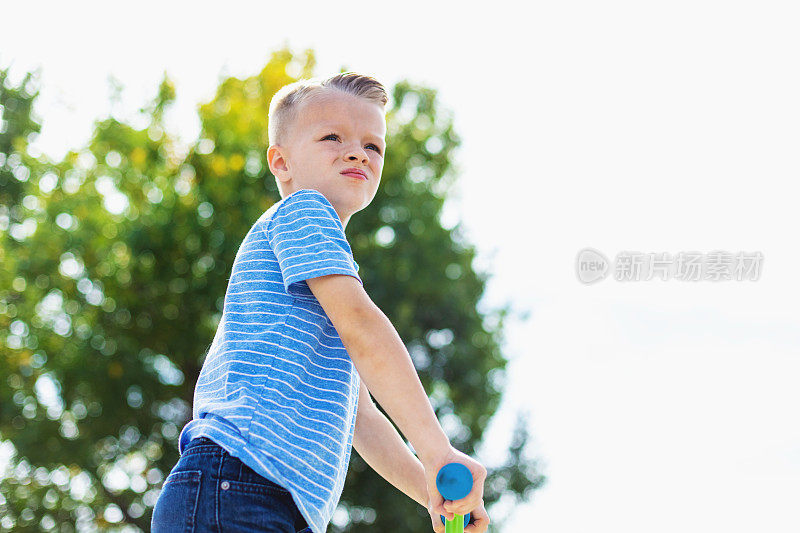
(442, 510)
(475, 494)
(479, 525)
(480, 475)
(454, 509)
(448, 515)
(437, 504)
(475, 498)
(435, 498)
(463, 506)
(481, 520)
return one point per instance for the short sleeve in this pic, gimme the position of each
(308, 240)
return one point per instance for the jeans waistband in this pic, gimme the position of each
(203, 445)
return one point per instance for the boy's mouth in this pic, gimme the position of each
(354, 173)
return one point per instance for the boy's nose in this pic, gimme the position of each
(357, 154)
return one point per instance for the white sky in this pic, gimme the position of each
(654, 127)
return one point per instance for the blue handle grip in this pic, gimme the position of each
(454, 482)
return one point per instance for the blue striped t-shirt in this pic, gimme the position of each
(277, 389)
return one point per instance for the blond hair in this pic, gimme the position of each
(286, 102)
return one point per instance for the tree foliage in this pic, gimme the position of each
(115, 264)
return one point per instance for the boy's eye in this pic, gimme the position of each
(336, 137)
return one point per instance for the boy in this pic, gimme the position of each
(284, 392)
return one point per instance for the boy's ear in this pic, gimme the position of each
(276, 160)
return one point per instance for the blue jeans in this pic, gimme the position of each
(209, 490)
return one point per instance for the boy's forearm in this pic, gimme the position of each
(378, 443)
(385, 366)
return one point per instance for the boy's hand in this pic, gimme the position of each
(472, 502)
(436, 520)
(479, 520)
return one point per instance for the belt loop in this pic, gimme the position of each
(217, 491)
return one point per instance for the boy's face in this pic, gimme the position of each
(333, 132)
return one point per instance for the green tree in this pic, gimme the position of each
(115, 265)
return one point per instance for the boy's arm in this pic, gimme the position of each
(378, 443)
(383, 362)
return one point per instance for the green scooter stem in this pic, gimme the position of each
(456, 525)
